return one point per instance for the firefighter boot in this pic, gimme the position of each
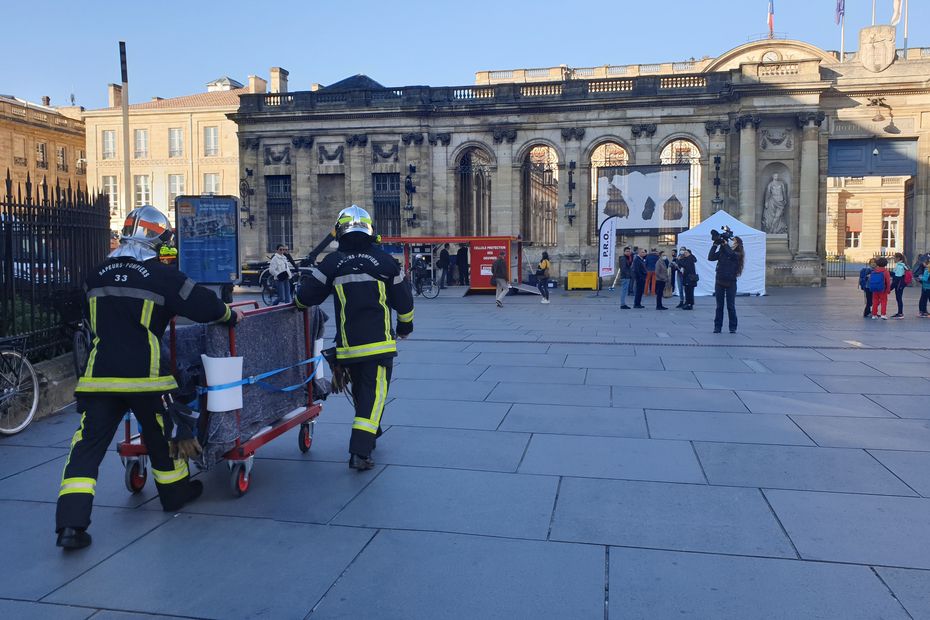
(177, 499)
(73, 538)
(361, 463)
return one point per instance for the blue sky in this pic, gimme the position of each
(176, 47)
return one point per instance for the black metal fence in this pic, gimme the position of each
(50, 237)
(836, 267)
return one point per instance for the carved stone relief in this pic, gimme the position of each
(643, 130)
(358, 139)
(572, 133)
(504, 133)
(277, 154)
(776, 140)
(412, 138)
(440, 138)
(335, 156)
(383, 151)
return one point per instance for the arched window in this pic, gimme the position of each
(539, 196)
(606, 155)
(474, 192)
(686, 152)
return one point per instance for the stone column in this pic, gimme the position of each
(809, 123)
(747, 125)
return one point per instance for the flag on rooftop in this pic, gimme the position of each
(840, 11)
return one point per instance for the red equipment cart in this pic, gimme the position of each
(240, 457)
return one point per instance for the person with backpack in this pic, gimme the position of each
(924, 279)
(864, 274)
(542, 277)
(880, 286)
(901, 278)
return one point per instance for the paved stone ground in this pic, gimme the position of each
(561, 461)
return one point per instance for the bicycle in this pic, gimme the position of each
(71, 310)
(270, 291)
(19, 386)
(425, 285)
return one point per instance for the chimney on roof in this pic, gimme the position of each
(157, 98)
(278, 80)
(46, 101)
(114, 95)
(257, 86)
(315, 87)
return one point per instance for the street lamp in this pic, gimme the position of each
(717, 200)
(246, 192)
(570, 207)
(410, 189)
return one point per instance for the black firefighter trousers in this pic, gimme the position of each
(370, 381)
(100, 418)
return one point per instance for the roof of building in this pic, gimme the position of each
(225, 81)
(216, 99)
(27, 104)
(356, 82)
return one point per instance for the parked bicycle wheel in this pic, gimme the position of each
(80, 350)
(430, 289)
(19, 392)
(269, 290)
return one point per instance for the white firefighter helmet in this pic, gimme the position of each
(148, 226)
(354, 219)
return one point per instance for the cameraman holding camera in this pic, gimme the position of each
(727, 251)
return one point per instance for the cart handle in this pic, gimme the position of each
(239, 304)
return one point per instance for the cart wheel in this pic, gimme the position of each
(305, 438)
(239, 481)
(135, 477)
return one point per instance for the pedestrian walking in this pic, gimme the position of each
(542, 277)
(880, 285)
(625, 273)
(864, 274)
(639, 278)
(499, 276)
(901, 278)
(730, 258)
(661, 271)
(687, 267)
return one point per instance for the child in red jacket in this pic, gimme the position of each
(880, 285)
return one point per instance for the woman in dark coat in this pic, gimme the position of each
(729, 267)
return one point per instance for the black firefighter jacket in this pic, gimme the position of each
(130, 304)
(368, 284)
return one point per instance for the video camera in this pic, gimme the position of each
(723, 236)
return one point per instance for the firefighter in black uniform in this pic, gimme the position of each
(368, 284)
(131, 299)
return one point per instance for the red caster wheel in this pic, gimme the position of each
(135, 477)
(239, 480)
(305, 438)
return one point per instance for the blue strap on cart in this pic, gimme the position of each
(259, 379)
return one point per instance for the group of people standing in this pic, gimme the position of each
(643, 273)
(452, 267)
(877, 280)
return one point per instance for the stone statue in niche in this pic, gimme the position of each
(775, 205)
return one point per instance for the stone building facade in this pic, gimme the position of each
(766, 108)
(42, 142)
(178, 146)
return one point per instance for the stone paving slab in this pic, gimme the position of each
(451, 448)
(22, 610)
(691, 352)
(770, 353)
(310, 492)
(440, 371)
(29, 552)
(430, 358)
(726, 427)
(592, 350)
(16, 459)
(678, 398)
(660, 515)
(330, 443)
(534, 374)
(911, 467)
(108, 614)
(900, 369)
(633, 377)
(41, 484)
(883, 385)
(576, 420)
(852, 405)
(445, 413)
(911, 587)
(492, 578)
(867, 355)
(795, 467)
(612, 457)
(766, 382)
(552, 394)
(879, 433)
(826, 367)
(276, 557)
(519, 359)
(619, 362)
(903, 405)
(440, 388)
(448, 500)
(664, 584)
(522, 348)
(671, 362)
(51, 431)
(860, 529)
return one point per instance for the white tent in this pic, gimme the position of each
(697, 239)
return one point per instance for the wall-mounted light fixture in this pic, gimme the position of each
(717, 200)
(410, 189)
(570, 207)
(245, 207)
